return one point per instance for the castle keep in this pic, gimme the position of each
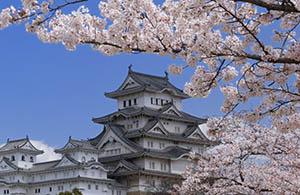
(143, 147)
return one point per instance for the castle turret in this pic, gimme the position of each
(20, 152)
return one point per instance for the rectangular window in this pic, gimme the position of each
(152, 165)
(89, 186)
(177, 129)
(119, 192)
(156, 101)
(129, 102)
(152, 101)
(134, 101)
(124, 103)
(161, 102)
(163, 166)
(161, 145)
(50, 189)
(96, 187)
(136, 123)
(150, 144)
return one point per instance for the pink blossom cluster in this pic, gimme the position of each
(249, 159)
(221, 39)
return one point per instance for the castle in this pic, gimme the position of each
(143, 147)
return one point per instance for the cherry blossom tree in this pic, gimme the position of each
(224, 40)
(249, 49)
(250, 159)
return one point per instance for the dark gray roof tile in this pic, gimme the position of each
(135, 111)
(147, 83)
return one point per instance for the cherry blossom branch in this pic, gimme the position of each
(271, 6)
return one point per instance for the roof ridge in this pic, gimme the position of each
(149, 75)
(52, 161)
(17, 140)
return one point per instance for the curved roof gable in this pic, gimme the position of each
(137, 82)
(76, 145)
(23, 145)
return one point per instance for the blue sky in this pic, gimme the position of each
(50, 93)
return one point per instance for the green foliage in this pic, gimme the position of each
(75, 191)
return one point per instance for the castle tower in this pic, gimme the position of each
(20, 153)
(146, 143)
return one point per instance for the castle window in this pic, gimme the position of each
(152, 165)
(96, 187)
(161, 102)
(152, 101)
(136, 123)
(60, 188)
(153, 182)
(150, 144)
(129, 102)
(50, 189)
(31, 159)
(119, 192)
(161, 145)
(156, 101)
(134, 101)
(177, 129)
(163, 166)
(13, 158)
(124, 103)
(89, 186)
(23, 158)
(83, 159)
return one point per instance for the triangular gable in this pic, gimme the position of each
(114, 145)
(159, 129)
(97, 165)
(110, 136)
(66, 161)
(28, 146)
(5, 166)
(172, 111)
(123, 167)
(68, 146)
(129, 83)
(197, 134)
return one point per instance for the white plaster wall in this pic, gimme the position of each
(144, 99)
(44, 188)
(142, 122)
(156, 143)
(166, 96)
(18, 159)
(157, 164)
(179, 166)
(170, 126)
(87, 155)
(83, 186)
(139, 97)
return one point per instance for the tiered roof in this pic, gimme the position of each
(75, 145)
(154, 113)
(21, 145)
(148, 83)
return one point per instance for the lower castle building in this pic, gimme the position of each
(144, 147)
